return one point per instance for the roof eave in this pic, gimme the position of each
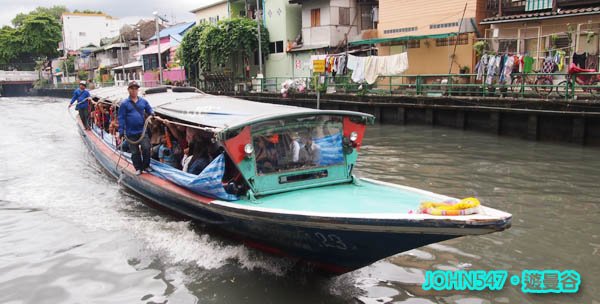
(539, 17)
(367, 118)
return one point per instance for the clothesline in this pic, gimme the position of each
(370, 67)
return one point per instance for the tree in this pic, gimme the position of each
(41, 34)
(229, 39)
(189, 50)
(55, 11)
(9, 45)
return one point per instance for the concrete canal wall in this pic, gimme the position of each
(533, 119)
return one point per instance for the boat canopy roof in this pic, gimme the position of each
(219, 112)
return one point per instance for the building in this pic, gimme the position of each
(540, 27)
(327, 26)
(212, 13)
(80, 29)
(428, 31)
(166, 43)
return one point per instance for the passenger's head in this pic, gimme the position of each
(82, 85)
(133, 89)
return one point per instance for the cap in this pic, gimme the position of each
(83, 83)
(133, 83)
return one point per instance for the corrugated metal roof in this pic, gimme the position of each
(543, 15)
(219, 112)
(178, 29)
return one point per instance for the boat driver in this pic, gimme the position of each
(132, 117)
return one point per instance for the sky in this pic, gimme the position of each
(128, 11)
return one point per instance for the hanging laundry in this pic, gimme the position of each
(395, 64)
(508, 68)
(341, 64)
(491, 70)
(358, 72)
(352, 62)
(579, 59)
(559, 59)
(501, 66)
(591, 62)
(548, 66)
(481, 66)
(527, 64)
(371, 69)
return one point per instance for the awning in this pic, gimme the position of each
(403, 38)
(131, 65)
(153, 49)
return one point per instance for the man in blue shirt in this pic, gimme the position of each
(132, 115)
(81, 95)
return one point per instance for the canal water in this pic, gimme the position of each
(71, 234)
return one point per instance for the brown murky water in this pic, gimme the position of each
(70, 234)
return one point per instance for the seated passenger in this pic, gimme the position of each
(187, 157)
(200, 158)
(156, 138)
(167, 155)
(266, 154)
(310, 153)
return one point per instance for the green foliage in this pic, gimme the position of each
(69, 64)
(480, 46)
(217, 43)
(40, 35)
(36, 36)
(55, 11)
(189, 50)
(82, 75)
(9, 44)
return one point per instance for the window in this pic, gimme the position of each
(443, 25)
(508, 46)
(276, 47)
(401, 30)
(462, 40)
(295, 144)
(344, 16)
(369, 15)
(315, 17)
(413, 44)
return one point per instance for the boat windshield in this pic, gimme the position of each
(291, 144)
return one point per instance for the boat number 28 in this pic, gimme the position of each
(331, 240)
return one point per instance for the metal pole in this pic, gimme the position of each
(122, 60)
(260, 63)
(139, 41)
(160, 74)
(456, 40)
(318, 90)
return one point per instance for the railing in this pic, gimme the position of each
(555, 86)
(531, 85)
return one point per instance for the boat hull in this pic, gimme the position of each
(334, 245)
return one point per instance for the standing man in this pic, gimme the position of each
(81, 95)
(132, 115)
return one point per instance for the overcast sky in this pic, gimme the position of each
(129, 11)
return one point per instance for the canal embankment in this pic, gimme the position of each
(527, 118)
(553, 120)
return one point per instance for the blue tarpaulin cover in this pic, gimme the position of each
(331, 149)
(207, 183)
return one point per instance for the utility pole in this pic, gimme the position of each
(122, 59)
(260, 63)
(160, 71)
